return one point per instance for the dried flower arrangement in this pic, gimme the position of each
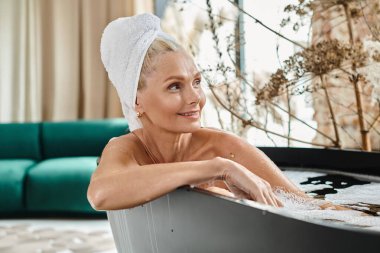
(353, 63)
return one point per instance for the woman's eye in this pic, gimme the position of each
(174, 86)
(197, 83)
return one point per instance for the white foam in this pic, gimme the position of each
(363, 208)
(368, 193)
(298, 177)
(312, 187)
(309, 209)
(295, 202)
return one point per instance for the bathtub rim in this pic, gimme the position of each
(344, 160)
(286, 214)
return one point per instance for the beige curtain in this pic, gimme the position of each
(50, 67)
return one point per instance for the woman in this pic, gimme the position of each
(160, 90)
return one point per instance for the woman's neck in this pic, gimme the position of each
(166, 146)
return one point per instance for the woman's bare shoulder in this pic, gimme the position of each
(124, 142)
(220, 135)
(117, 155)
(120, 149)
(223, 140)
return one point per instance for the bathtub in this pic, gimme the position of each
(193, 220)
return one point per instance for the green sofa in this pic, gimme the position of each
(45, 168)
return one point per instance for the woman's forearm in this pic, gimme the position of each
(139, 184)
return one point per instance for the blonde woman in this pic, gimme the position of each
(162, 98)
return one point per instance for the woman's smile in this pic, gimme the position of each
(190, 114)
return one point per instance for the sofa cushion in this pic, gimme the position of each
(20, 140)
(12, 174)
(79, 138)
(60, 185)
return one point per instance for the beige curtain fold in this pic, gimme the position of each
(50, 66)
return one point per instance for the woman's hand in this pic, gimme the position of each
(245, 184)
(221, 191)
(330, 206)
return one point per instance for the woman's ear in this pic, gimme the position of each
(138, 104)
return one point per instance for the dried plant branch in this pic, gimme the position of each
(350, 136)
(266, 127)
(289, 114)
(324, 88)
(251, 122)
(300, 120)
(355, 81)
(368, 25)
(265, 26)
(219, 116)
(374, 122)
(321, 38)
(348, 107)
(375, 119)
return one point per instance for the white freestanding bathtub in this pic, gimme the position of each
(193, 220)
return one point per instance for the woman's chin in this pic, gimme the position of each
(188, 128)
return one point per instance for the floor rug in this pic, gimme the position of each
(24, 238)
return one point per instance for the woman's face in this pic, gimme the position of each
(172, 98)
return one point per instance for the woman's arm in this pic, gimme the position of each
(257, 162)
(120, 182)
(135, 185)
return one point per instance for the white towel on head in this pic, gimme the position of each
(123, 46)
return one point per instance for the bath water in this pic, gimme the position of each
(360, 193)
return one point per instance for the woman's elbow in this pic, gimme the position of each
(102, 199)
(95, 197)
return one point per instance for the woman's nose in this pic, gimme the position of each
(193, 96)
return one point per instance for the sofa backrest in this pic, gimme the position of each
(20, 140)
(79, 138)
